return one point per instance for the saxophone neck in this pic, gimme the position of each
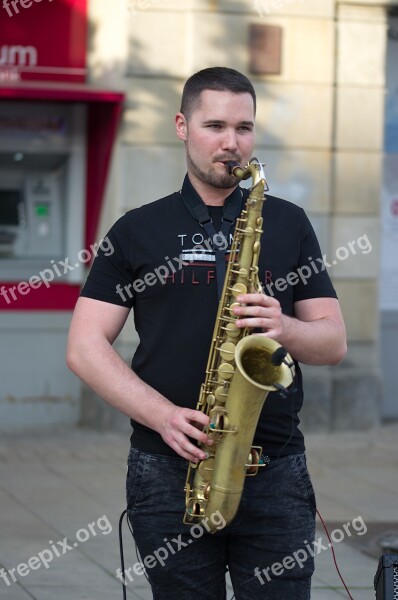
(253, 169)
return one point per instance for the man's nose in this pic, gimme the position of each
(229, 141)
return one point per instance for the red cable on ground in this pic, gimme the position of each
(334, 556)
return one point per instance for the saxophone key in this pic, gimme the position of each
(221, 393)
(255, 271)
(253, 461)
(219, 422)
(240, 272)
(231, 307)
(237, 289)
(256, 247)
(206, 491)
(195, 510)
(232, 330)
(210, 399)
(225, 371)
(217, 418)
(205, 469)
(227, 351)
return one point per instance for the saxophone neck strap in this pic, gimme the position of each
(200, 212)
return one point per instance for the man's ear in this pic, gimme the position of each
(181, 127)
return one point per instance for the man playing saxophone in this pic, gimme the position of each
(166, 267)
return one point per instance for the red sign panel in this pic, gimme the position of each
(43, 40)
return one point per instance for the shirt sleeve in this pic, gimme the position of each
(111, 276)
(314, 280)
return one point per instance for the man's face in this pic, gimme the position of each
(220, 128)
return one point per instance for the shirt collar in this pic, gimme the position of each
(188, 190)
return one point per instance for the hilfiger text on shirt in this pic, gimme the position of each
(200, 254)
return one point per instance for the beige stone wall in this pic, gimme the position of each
(359, 106)
(320, 121)
(149, 47)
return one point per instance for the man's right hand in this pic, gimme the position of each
(181, 424)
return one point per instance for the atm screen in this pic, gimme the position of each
(9, 200)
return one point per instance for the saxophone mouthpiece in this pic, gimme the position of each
(231, 165)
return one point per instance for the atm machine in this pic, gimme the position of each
(42, 226)
(42, 186)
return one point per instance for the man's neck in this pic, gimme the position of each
(210, 195)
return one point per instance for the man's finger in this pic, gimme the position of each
(196, 434)
(190, 450)
(197, 416)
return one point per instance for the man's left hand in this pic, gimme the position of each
(262, 312)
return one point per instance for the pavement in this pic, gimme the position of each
(62, 492)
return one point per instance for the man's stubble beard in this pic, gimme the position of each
(211, 177)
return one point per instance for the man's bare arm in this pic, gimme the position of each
(95, 326)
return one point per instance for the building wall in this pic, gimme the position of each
(357, 168)
(319, 130)
(388, 297)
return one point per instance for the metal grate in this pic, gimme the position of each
(395, 582)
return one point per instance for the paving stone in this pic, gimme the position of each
(54, 484)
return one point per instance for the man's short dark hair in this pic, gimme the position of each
(220, 79)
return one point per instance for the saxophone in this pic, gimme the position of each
(241, 370)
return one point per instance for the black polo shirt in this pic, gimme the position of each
(158, 270)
